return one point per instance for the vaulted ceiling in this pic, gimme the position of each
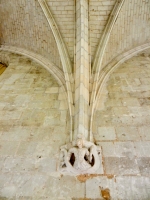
(24, 25)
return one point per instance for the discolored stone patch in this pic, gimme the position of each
(144, 165)
(2, 68)
(120, 165)
(105, 193)
(85, 177)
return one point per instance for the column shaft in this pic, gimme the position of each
(82, 70)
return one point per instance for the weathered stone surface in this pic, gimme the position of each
(64, 188)
(118, 149)
(29, 135)
(127, 133)
(105, 133)
(94, 186)
(121, 166)
(137, 188)
(142, 148)
(144, 165)
(34, 123)
(119, 187)
(126, 109)
(39, 37)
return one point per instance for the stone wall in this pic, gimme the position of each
(131, 29)
(24, 25)
(34, 123)
(122, 127)
(64, 14)
(99, 12)
(125, 107)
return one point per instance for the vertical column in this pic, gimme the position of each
(81, 70)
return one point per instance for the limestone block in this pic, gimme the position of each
(142, 148)
(121, 166)
(127, 133)
(19, 164)
(108, 149)
(52, 90)
(63, 115)
(63, 105)
(41, 134)
(121, 111)
(130, 102)
(4, 180)
(105, 133)
(16, 133)
(66, 187)
(8, 191)
(125, 149)
(144, 165)
(7, 115)
(22, 100)
(8, 147)
(46, 165)
(97, 184)
(27, 148)
(135, 188)
(52, 121)
(144, 132)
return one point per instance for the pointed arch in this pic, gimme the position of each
(96, 68)
(54, 70)
(102, 46)
(64, 56)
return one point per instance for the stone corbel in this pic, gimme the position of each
(79, 157)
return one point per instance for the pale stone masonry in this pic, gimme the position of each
(18, 32)
(64, 14)
(35, 122)
(75, 66)
(131, 29)
(81, 70)
(99, 12)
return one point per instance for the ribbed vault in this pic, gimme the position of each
(94, 119)
(132, 29)
(50, 28)
(24, 25)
